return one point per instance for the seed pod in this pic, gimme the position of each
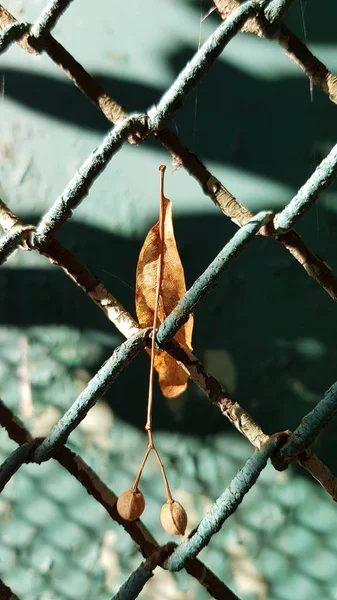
(173, 518)
(130, 504)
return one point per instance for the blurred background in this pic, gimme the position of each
(267, 332)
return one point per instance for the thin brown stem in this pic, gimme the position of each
(148, 425)
(167, 487)
(139, 474)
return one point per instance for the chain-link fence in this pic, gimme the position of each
(264, 19)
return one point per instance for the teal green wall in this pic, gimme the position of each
(268, 331)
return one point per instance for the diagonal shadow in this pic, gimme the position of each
(257, 126)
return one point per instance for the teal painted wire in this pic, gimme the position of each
(82, 181)
(276, 9)
(311, 425)
(138, 578)
(8, 243)
(13, 462)
(209, 278)
(321, 178)
(223, 507)
(200, 64)
(96, 387)
(49, 17)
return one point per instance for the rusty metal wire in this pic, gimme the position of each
(263, 18)
(12, 33)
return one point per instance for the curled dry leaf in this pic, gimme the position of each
(160, 246)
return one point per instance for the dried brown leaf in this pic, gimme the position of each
(172, 376)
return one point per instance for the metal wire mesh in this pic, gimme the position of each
(261, 17)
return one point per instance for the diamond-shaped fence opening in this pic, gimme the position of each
(263, 18)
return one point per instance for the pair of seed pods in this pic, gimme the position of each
(131, 504)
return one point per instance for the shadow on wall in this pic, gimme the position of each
(268, 128)
(267, 331)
